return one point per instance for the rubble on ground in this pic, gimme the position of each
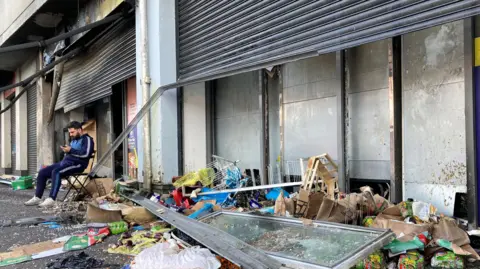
(420, 237)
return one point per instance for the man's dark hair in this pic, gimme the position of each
(75, 125)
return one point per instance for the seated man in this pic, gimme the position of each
(77, 157)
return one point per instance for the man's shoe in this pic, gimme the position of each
(34, 201)
(48, 202)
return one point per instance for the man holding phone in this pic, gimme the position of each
(77, 156)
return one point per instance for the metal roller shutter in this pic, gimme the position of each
(219, 36)
(90, 76)
(32, 129)
(13, 133)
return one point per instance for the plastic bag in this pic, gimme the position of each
(423, 210)
(168, 255)
(418, 242)
(375, 260)
(447, 259)
(411, 260)
(368, 221)
(204, 176)
(406, 209)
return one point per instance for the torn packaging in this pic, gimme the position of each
(403, 231)
(448, 229)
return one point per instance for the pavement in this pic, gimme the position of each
(12, 207)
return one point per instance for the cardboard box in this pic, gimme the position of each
(107, 184)
(98, 215)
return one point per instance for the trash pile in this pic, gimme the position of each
(419, 237)
(423, 237)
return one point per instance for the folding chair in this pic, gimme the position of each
(75, 179)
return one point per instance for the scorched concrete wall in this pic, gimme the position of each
(14, 13)
(367, 130)
(434, 115)
(238, 120)
(310, 90)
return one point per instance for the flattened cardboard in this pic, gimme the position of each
(30, 250)
(314, 203)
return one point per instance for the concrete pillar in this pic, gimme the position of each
(194, 127)
(163, 70)
(45, 131)
(21, 142)
(6, 149)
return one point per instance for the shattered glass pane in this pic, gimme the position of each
(325, 246)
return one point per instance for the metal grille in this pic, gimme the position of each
(221, 36)
(32, 129)
(90, 76)
(13, 132)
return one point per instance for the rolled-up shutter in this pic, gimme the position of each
(32, 129)
(90, 76)
(219, 36)
(13, 132)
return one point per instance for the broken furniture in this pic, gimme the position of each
(321, 169)
(319, 245)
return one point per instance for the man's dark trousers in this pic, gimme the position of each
(56, 172)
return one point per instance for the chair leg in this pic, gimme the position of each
(66, 195)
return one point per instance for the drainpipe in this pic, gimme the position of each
(147, 161)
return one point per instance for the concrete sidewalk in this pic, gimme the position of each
(12, 207)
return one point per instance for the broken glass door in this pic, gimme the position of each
(321, 245)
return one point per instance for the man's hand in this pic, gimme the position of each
(66, 149)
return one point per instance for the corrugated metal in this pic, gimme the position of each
(32, 129)
(216, 36)
(89, 77)
(13, 135)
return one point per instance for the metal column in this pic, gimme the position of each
(342, 179)
(472, 124)
(263, 81)
(395, 105)
(210, 118)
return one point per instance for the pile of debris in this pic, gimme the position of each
(293, 225)
(423, 237)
